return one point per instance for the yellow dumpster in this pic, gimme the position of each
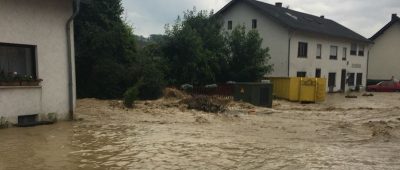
(299, 89)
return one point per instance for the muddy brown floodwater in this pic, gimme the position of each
(341, 133)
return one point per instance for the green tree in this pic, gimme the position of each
(105, 47)
(195, 49)
(150, 69)
(248, 60)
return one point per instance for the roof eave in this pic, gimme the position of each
(365, 40)
(383, 29)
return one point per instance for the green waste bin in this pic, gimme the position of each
(259, 94)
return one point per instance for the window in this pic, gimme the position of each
(361, 50)
(359, 79)
(229, 25)
(344, 58)
(350, 79)
(302, 51)
(334, 51)
(319, 51)
(17, 59)
(318, 73)
(254, 24)
(353, 50)
(301, 74)
(332, 80)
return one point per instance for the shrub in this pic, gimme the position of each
(130, 96)
(152, 83)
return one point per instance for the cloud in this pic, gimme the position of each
(363, 16)
(150, 16)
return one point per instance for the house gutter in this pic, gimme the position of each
(71, 95)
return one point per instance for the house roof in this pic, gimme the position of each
(301, 21)
(394, 20)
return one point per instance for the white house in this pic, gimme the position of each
(384, 60)
(36, 42)
(301, 44)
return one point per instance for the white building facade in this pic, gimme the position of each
(33, 43)
(384, 60)
(300, 45)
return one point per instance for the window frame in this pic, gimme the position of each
(351, 79)
(230, 25)
(359, 79)
(344, 53)
(319, 51)
(300, 51)
(333, 57)
(332, 84)
(361, 53)
(33, 49)
(353, 52)
(318, 70)
(254, 24)
(299, 74)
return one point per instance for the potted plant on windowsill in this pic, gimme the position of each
(6, 80)
(30, 81)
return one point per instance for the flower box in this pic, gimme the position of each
(31, 82)
(10, 83)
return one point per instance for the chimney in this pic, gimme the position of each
(394, 17)
(322, 16)
(278, 4)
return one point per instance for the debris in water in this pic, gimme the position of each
(206, 103)
(201, 120)
(368, 95)
(174, 93)
(380, 129)
(351, 96)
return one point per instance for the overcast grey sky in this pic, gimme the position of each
(363, 16)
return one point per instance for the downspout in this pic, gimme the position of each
(71, 95)
(367, 73)
(289, 47)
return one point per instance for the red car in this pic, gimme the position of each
(385, 86)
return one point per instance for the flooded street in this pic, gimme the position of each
(341, 133)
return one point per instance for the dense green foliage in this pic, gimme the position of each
(130, 96)
(151, 68)
(107, 60)
(248, 60)
(105, 46)
(199, 53)
(110, 59)
(195, 49)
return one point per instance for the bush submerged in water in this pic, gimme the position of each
(130, 96)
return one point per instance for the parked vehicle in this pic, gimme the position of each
(385, 86)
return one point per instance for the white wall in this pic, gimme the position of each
(310, 64)
(384, 61)
(41, 23)
(275, 36)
